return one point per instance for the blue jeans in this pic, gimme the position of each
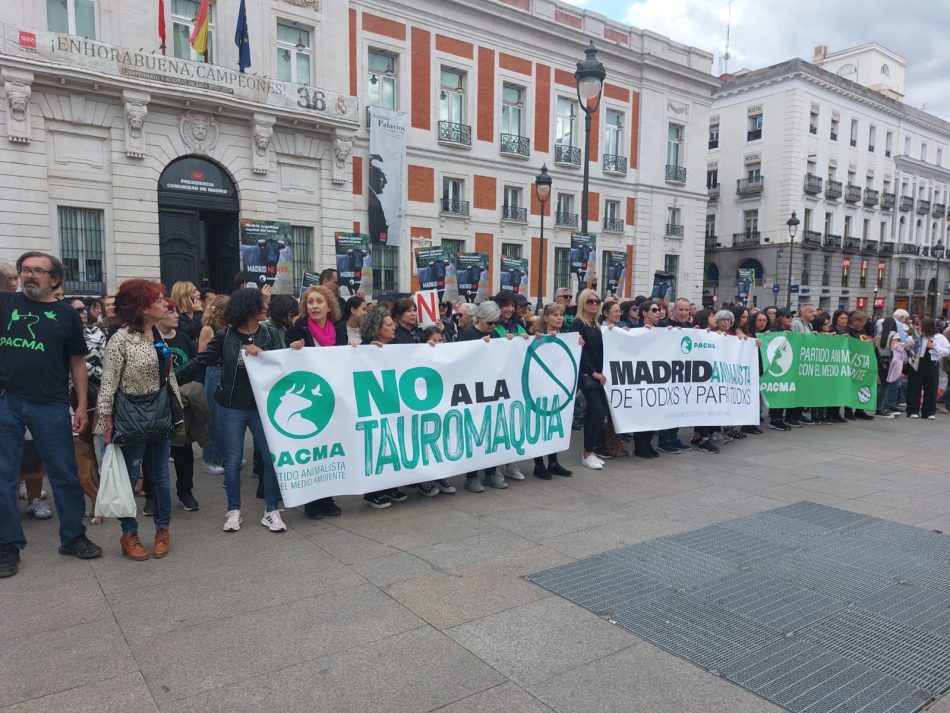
(157, 456)
(234, 424)
(52, 429)
(213, 452)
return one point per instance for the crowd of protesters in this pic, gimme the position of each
(67, 361)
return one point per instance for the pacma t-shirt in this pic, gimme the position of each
(36, 341)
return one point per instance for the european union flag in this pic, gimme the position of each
(241, 39)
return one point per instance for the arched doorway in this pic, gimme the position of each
(198, 224)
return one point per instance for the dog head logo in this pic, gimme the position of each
(686, 345)
(300, 405)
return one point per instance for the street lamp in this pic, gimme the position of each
(589, 76)
(792, 224)
(542, 191)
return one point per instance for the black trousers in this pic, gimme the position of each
(594, 418)
(184, 459)
(923, 380)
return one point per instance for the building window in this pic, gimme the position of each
(453, 193)
(923, 152)
(806, 269)
(72, 17)
(674, 145)
(711, 228)
(872, 137)
(613, 133)
(907, 146)
(854, 132)
(293, 54)
(674, 225)
(562, 268)
(753, 171)
(453, 248)
(888, 143)
(511, 250)
(714, 136)
(564, 122)
(806, 223)
(813, 122)
(845, 272)
(565, 210)
(834, 129)
(452, 96)
(385, 268)
(612, 219)
(512, 207)
(863, 274)
(754, 132)
(826, 271)
(512, 110)
(671, 264)
(80, 243)
(940, 157)
(183, 22)
(750, 221)
(712, 178)
(847, 226)
(382, 80)
(301, 246)
(885, 70)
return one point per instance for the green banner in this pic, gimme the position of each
(818, 370)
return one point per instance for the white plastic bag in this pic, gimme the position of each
(115, 498)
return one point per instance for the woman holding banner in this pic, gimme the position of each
(552, 320)
(590, 379)
(508, 326)
(354, 309)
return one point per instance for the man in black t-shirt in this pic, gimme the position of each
(41, 345)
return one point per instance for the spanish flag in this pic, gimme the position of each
(199, 35)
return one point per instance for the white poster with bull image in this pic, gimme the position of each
(267, 255)
(670, 378)
(352, 420)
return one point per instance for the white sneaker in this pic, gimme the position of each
(914, 415)
(512, 472)
(211, 468)
(39, 510)
(233, 523)
(273, 522)
(592, 462)
(24, 496)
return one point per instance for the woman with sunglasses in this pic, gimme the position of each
(138, 363)
(591, 380)
(630, 314)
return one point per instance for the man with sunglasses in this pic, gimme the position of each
(41, 345)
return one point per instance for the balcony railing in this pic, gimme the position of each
(903, 283)
(907, 203)
(613, 224)
(450, 207)
(754, 135)
(452, 133)
(833, 189)
(812, 184)
(923, 207)
(514, 145)
(675, 174)
(871, 197)
(811, 239)
(711, 242)
(852, 193)
(513, 212)
(887, 248)
(713, 192)
(908, 249)
(870, 246)
(674, 230)
(939, 210)
(925, 251)
(831, 241)
(750, 237)
(567, 155)
(568, 220)
(615, 164)
(852, 245)
(750, 186)
(887, 200)
(919, 286)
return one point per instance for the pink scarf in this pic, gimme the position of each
(325, 336)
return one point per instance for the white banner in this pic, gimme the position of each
(350, 420)
(386, 175)
(669, 378)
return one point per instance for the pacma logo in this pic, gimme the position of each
(28, 39)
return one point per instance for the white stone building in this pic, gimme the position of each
(128, 163)
(867, 176)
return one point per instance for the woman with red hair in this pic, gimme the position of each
(139, 363)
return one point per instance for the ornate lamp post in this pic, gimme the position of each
(542, 191)
(792, 224)
(589, 76)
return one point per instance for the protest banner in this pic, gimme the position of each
(616, 262)
(432, 266)
(818, 370)
(351, 420)
(514, 274)
(354, 263)
(668, 378)
(427, 307)
(583, 261)
(663, 283)
(471, 271)
(266, 254)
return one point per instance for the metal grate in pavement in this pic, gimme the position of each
(739, 548)
(775, 528)
(913, 539)
(834, 579)
(820, 515)
(937, 577)
(671, 563)
(873, 556)
(915, 606)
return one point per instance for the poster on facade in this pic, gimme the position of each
(746, 281)
(818, 370)
(663, 286)
(432, 267)
(616, 261)
(350, 420)
(514, 274)
(669, 378)
(354, 263)
(471, 270)
(267, 255)
(386, 173)
(309, 280)
(583, 261)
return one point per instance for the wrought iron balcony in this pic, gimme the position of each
(754, 135)
(811, 239)
(908, 249)
(903, 283)
(750, 186)
(568, 220)
(870, 246)
(939, 210)
(711, 242)
(833, 189)
(919, 286)
(674, 230)
(615, 164)
(713, 192)
(750, 237)
(887, 248)
(923, 207)
(513, 212)
(887, 200)
(852, 245)
(831, 241)
(812, 184)
(450, 207)
(613, 224)
(452, 133)
(852, 193)
(675, 174)
(514, 145)
(907, 203)
(567, 155)
(871, 197)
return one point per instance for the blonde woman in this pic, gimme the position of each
(212, 321)
(591, 380)
(187, 301)
(551, 323)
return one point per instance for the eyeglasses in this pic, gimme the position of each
(563, 297)
(593, 301)
(80, 309)
(492, 323)
(654, 309)
(36, 271)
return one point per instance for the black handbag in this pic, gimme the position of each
(142, 419)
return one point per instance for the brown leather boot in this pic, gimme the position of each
(132, 546)
(161, 543)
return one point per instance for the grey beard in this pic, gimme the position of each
(37, 293)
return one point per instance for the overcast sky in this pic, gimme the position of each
(766, 32)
